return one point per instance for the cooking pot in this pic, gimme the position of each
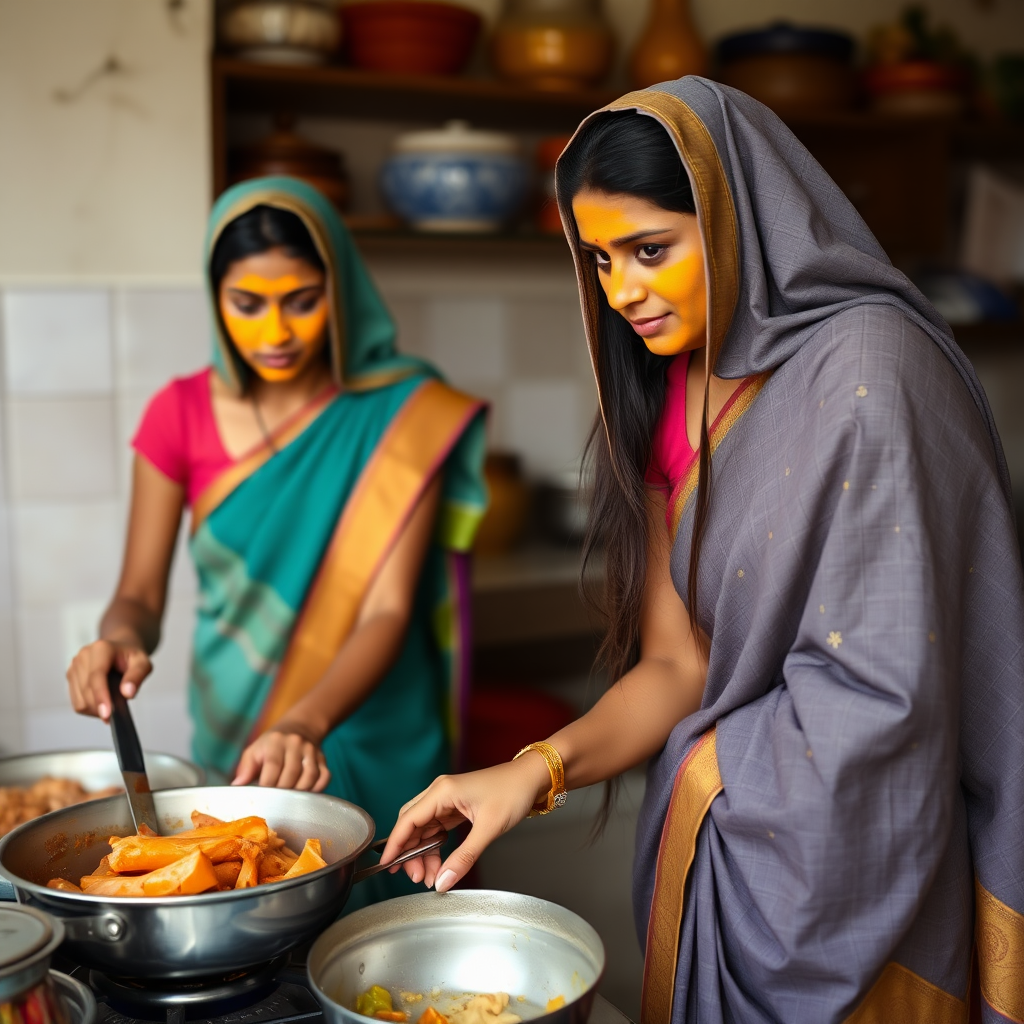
(189, 936)
(459, 942)
(96, 769)
(92, 769)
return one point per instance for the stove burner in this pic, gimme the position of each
(176, 1000)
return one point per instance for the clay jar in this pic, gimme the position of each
(552, 44)
(509, 505)
(669, 47)
(285, 152)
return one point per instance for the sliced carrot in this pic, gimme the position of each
(252, 828)
(271, 878)
(250, 873)
(192, 874)
(201, 820)
(309, 860)
(145, 830)
(62, 885)
(431, 1016)
(227, 873)
(275, 863)
(113, 885)
(137, 853)
(395, 1015)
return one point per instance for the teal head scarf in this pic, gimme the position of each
(362, 335)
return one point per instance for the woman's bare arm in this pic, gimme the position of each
(628, 724)
(130, 627)
(287, 755)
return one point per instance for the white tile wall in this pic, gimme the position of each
(61, 448)
(79, 367)
(57, 342)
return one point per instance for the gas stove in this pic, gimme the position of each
(274, 993)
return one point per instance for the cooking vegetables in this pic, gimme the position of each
(485, 1008)
(212, 856)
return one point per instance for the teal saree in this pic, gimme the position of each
(287, 540)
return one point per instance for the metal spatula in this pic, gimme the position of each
(129, 757)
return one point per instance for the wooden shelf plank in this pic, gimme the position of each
(347, 92)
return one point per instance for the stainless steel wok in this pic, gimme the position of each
(458, 942)
(188, 936)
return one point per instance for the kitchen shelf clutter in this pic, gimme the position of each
(896, 169)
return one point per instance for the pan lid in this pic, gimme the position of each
(24, 932)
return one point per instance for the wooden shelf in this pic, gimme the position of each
(531, 246)
(347, 92)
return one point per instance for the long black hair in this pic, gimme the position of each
(259, 230)
(632, 154)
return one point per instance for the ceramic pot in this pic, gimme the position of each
(410, 37)
(280, 32)
(505, 519)
(552, 44)
(791, 69)
(455, 179)
(669, 46)
(285, 152)
(918, 88)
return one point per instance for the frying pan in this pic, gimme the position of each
(190, 936)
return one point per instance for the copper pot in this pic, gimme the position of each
(552, 44)
(285, 152)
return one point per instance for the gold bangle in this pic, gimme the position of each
(556, 796)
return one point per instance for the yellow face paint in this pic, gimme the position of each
(651, 267)
(278, 324)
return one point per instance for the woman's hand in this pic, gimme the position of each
(87, 675)
(494, 800)
(285, 757)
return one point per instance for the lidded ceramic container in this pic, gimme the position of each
(455, 179)
(27, 993)
(552, 44)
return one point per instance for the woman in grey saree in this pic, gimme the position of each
(836, 833)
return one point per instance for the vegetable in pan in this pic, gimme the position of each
(212, 856)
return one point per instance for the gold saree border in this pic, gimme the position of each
(740, 402)
(419, 438)
(902, 997)
(238, 472)
(697, 783)
(999, 933)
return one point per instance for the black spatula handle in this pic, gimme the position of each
(126, 739)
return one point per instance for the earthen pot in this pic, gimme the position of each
(285, 152)
(669, 46)
(552, 44)
(409, 37)
(506, 516)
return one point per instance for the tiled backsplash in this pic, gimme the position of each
(78, 367)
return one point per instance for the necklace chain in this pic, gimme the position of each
(263, 426)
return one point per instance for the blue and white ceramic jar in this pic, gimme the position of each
(455, 179)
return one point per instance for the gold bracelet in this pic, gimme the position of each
(556, 796)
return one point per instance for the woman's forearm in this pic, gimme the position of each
(367, 655)
(131, 623)
(629, 724)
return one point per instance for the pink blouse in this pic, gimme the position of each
(178, 434)
(671, 454)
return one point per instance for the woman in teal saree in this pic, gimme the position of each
(335, 488)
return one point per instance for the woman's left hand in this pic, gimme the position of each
(285, 758)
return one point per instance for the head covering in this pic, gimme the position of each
(785, 249)
(362, 333)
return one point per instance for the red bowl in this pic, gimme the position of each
(408, 37)
(915, 76)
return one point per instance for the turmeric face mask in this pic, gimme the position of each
(650, 263)
(274, 308)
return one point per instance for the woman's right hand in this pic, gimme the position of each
(87, 675)
(493, 800)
